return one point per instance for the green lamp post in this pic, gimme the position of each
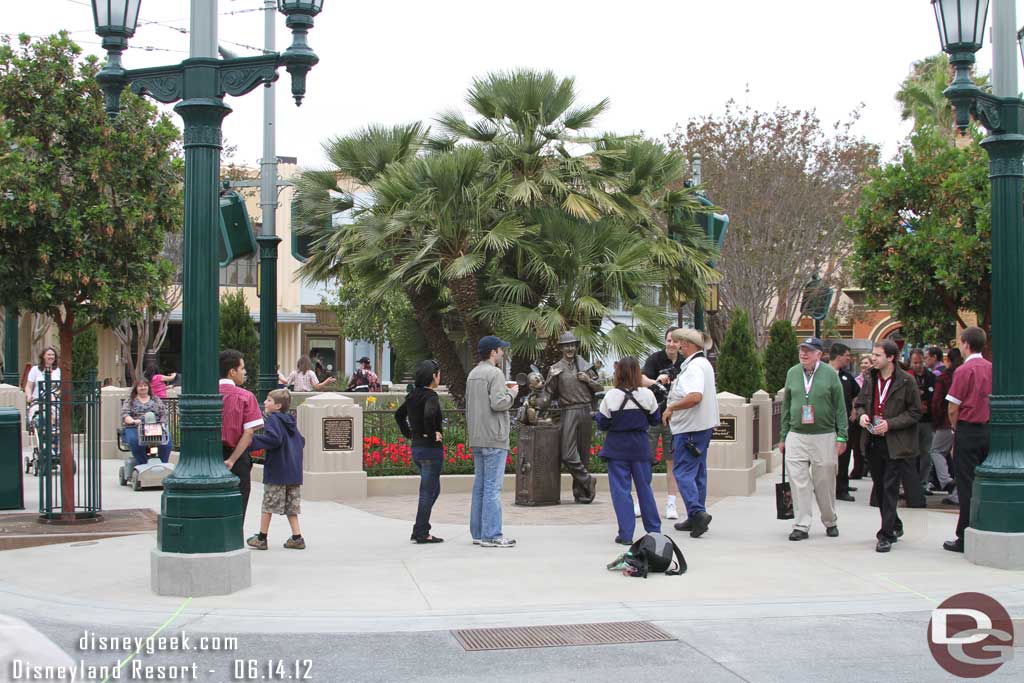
(996, 533)
(201, 505)
(11, 374)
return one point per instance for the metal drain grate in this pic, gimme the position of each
(476, 639)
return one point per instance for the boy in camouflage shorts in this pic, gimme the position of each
(282, 470)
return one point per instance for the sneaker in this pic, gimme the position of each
(255, 542)
(883, 546)
(500, 542)
(832, 531)
(701, 520)
(477, 541)
(636, 508)
(670, 510)
(294, 544)
(798, 535)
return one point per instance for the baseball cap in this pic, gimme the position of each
(489, 343)
(813, 343)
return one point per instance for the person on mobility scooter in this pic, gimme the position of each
(144, 419)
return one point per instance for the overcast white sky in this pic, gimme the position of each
(660, 62)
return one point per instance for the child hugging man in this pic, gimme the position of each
(282, 469)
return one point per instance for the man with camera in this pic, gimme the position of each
(692, 413)
(889, 408)
(661, 368)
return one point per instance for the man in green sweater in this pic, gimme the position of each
(814, 432)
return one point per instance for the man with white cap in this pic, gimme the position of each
(814, 433)
(691, 414)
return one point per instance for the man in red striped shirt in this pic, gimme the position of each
(968, 400)
(240, 417)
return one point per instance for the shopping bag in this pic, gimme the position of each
(783, 497)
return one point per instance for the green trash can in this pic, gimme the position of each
(12, 490)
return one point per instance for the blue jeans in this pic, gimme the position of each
(622, 474)
(141, 453)
(488, 476)
(691, 471)
(429, 462)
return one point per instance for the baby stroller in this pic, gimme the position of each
(152, 435)
(34, 463)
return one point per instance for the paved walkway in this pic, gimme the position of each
(360, 573)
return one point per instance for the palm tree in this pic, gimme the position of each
(921, 95)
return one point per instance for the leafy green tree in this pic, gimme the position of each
(85, 350)
(86, 203)
(238, 332)
(923, 236)
(780, 355)
(921, 95)
(739, 368)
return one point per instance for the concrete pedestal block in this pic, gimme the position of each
(111, 399)
(196, 575)
(994, 549)
(340, 486)
(732, 482)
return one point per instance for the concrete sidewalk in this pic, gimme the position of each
(360, 574)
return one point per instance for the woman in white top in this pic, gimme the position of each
(47, 361)
(303, 378)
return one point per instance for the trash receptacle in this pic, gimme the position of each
(12, 491)
(538, 466)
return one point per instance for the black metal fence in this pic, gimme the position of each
(757, 430)
(50, 441)
(776, 421)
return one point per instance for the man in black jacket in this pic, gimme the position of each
(839, 359)
(889, 408)
(661, 367)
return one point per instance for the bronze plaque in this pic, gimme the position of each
(726, 429)
(338, 433)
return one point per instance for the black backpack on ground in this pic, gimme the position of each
(654, 553)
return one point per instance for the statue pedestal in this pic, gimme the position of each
(538, 466)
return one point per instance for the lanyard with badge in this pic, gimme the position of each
(807, 412)
(883, 392)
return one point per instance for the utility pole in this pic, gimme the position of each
(268, 239)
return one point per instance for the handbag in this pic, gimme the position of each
(783, 496)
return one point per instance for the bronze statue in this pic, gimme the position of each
(573, 384)
(535, 408)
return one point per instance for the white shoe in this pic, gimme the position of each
(670, 511)
(636, 508)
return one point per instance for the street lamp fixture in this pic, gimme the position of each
(711, 299)
(200, 521)
(995, 536)
(961, 25)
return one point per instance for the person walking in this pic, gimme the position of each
(626, 412)
(942, 440)
(660, 369)
(158, 381)
(889, 410)
(692, 413)
(419, 419)
(969, 410)
(814, 433)
(925, 432)
(240, 418)
(364, 379)
(488, 400)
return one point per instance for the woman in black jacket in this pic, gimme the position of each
(419, 418)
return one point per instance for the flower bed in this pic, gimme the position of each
(387, 453)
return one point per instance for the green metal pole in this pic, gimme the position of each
(698, 316)
(201, 509)
(11, 374)
(268, 313)
(998, 496)
(817, 328)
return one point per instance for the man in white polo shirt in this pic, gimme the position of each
(691, 414)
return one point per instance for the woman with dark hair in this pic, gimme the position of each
(419, 419)
(157, 381)
(626, 412)
(48, 360)
(303, 378)
(942, 441)
(133, 413)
